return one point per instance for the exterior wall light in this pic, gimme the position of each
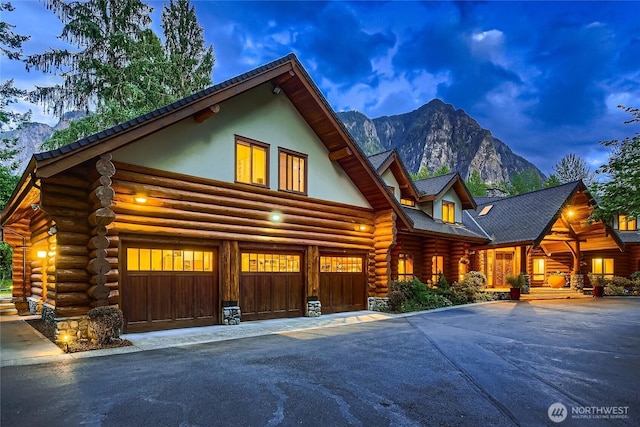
(276, 217)
(141, 198)
(41, 254)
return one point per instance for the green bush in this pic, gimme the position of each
(105, 324)
(396, 298)
(613, 290)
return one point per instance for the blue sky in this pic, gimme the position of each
(544, 77)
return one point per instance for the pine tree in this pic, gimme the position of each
(190, 61)
(476, 185)
(10, 47)
(105, 33)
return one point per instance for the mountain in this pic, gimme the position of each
(437, 134)
(33, 135)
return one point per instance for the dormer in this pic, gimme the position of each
(394, 174)
(445, 197)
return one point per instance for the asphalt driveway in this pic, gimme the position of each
(493, 364)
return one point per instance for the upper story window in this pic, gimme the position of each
(405, 267)
(293, 171)
(408, 202)
(626, 223)
(448, 212)
(252, 162)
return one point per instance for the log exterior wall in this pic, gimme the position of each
(385, 235)
(65, 201)
(21, 262)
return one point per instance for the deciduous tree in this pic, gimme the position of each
(573, 168)
(619, 191)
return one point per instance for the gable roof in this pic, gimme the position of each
(423, 222)
(390, 159)
(380, 161)
(527, 218)
(286, 73)
(435, 187)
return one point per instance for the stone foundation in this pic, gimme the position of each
(72, 329)
(35, 305)
(378, 303)
(577, 282)
(231, 315)
(314, 309)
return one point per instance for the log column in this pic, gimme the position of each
(314, 305)
(384, 239)
(230, 253)
(99, 264)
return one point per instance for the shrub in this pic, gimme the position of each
(396, 298)
(105, 323)
(622, 282)
(476, 279)
(614, 290)
(635, 276)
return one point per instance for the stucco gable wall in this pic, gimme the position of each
(207, 149)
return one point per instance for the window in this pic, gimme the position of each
(139, 259)
(448, 212)
(626, 223)
(293, 171)
(602, 267)
(437, 267)
(270, 263)
(340, 264)
(408, 202)
(252, 160)
(538, 269)
(405, 267)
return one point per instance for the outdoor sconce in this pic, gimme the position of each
(41, 254)
(35, 206)
(141, 198)
(362, 228)
(276, 90)
(276, 217)
(53, 230)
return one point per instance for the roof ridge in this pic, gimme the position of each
(566, 184)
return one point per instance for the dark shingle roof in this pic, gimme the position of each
(91, 139)
(434, 185)
(422, 221)
(629, 236)
(525, 217)
(377, 160)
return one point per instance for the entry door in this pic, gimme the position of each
(504, 267)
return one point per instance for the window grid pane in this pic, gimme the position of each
(340, 264)
(270, 263)
(144, 259)
(292, 172)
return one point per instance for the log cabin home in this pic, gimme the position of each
(250, 200)
(546, 232)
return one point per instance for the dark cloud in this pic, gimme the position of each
(342, 49)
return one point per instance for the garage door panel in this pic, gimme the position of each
(160, 298)
(204, 296)
(137, 292)
(184, 297)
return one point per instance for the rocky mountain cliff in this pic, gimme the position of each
(437, 134)
(32, 135)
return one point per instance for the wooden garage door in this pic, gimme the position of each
(271, 286)
(169, 288)
(343, 283)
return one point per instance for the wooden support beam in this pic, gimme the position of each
(340, 154)
(203, 115)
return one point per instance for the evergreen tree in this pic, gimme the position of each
(524, 182)
(552, 181)
(104, 33)
(423, 173)
(619, 192)
(190, 61)
(476, 185)
(11, 48)
(444, 170)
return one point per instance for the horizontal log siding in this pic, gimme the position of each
(180, 206)
(385, 237)
(411, 245)
(65, 199)
(21, 257)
